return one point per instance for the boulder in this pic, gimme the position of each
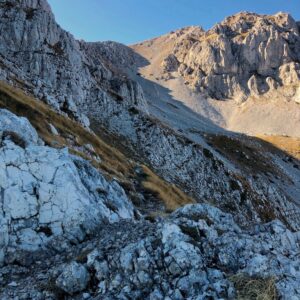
(46, 192)
(19, 127)
(73, 279)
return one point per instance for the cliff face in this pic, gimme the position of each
(246, 54)
(70, 230)
(36, 51)
(47, 192)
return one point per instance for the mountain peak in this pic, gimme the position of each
(34, 4)
(245, 54)
(105, 229)
(244, 20)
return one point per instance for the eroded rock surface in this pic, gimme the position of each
(73, 279)
(11, 124)
(47, 193)
(58, 236)
(191, 254)
(84, 81)
(246, 54)
(58, 69)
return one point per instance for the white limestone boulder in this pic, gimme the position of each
(10, 123)
(45, 192)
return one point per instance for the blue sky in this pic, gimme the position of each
(131, 21)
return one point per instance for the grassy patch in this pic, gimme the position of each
(290, 145)
(71, 134)
(254, 288)
(114, 163)
(245, 153)
(250, 154)
(210, 37)
(169, 194)
(264, 208)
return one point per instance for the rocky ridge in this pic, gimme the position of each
(246, 54)
(89, 73)
(196, 253)
(67, 231)
(31, 41)
(248, 61)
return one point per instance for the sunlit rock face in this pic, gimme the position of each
(46, 193)
(57, 68)
(69, 232)
(247, 54)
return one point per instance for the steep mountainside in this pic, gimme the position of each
(249, 60)
(37, 53)
(110, 98)
(100, 143)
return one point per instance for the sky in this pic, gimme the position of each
(132, 21)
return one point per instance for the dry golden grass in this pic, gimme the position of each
(243, 35)
(40, 116)
(254, 288)
(210, 37)
(245, 153)
(249, 154)
(113, 162)
(290, 145)
(171, 196)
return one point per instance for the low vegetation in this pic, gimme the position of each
(113, 163)
(254, 288)
(248, 154)
(171, 196)
(71, 134)
(290, 145)
(251, 156)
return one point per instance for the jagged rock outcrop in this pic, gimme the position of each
(47, 193)
(197, 253)
(66, 231)
(84, 80)
(10, 124)
(36, 53)
(255, 195)
(246, 54)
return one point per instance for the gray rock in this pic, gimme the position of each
(207, 261)
(48, 193)
(221, 62)
(88, 80)
(50, 200)
(73, 279)
(67, 74)
(10, 123)
(170, 63)
(53, 130)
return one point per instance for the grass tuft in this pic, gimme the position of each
(71, 133)
(113, 163)
(169, 194)
(254, 288)
(290, 145)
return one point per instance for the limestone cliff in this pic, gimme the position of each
(116, 230)
(243, 55)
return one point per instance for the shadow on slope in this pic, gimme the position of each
(133, 176)
(246, 152)
(124, 60)
(253, 158)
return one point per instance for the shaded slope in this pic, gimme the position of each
(251, 61)
(170, 140)
(86, 144)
